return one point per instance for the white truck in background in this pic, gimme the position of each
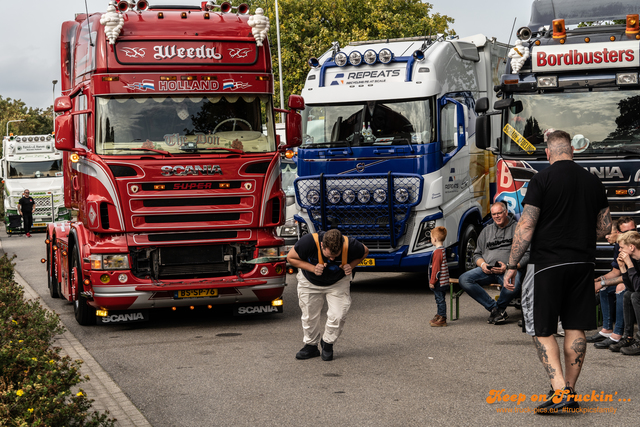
(32, 162)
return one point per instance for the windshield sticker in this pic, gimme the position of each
(522, 142)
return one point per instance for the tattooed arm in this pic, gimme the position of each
(521, 241)
(524, 233)
(603, 225)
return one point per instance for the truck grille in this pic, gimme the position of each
(42, 208)
(328, 200)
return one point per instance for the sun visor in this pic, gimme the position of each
(543, 12)
(467, 51)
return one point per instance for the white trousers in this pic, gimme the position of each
(311, 299)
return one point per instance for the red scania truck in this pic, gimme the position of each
(171, 161)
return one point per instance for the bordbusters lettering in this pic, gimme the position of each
(191, 170)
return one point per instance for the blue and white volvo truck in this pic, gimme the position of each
(389, 148)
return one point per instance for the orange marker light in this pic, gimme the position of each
(633, 24)
(559, 31)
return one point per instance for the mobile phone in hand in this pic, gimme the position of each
(497, 265)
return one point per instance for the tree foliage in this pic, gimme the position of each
(308, 27)
(36, 120)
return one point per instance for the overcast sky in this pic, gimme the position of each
(30, 52)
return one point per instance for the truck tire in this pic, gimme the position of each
(466, 247)
(85, 314)
(52, 279)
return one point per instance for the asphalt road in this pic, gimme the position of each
(206, 368)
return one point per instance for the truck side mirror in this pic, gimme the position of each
(483, 132)
(296, 102)
(64, 133)
(62, 104)
(293, 123)
(482, 105)
(509, 103)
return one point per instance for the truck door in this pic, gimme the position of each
(453, 144)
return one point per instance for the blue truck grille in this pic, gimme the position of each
(367, 207)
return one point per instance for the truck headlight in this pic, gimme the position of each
(109, 262)
(402, 195)
(313, 197)
(289, 229)
(348, 196)
(271, 252)
(379, 195)
(334, 197)
(423, 239)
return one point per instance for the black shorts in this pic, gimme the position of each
(563, 291)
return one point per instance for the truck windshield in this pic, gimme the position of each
(600, 123)
(46, 169)
(127, 125)
(369, 123)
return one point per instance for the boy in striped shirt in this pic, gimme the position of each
(439, 277)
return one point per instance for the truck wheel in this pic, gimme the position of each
(52, 279)
(85, 314)
(467, 246)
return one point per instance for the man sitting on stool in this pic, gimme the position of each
(491, 256)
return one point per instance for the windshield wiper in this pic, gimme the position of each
(166, 153)
(194, 149)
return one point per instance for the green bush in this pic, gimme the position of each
(35, 381)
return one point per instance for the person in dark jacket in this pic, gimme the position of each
(325, 262)
(25, 209)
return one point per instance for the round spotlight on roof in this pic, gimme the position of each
(385, 56)
(418, 55)
(313, 62)
(355, 58)
(370, 57)
(340, 59)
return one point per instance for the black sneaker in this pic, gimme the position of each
(604, 344)
(564, 398)
(327, 351)
(624, 342)
(547, 402)
(631, 350)
(501, 317)
(494, 313)
(307, 352)
(597, 337)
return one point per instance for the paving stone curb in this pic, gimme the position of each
(101, 388)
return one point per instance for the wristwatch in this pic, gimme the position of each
(602, 282)
(512, 266)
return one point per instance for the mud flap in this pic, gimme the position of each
(264, 308)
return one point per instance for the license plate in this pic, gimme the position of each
(367, 262)
(40, 224)
(195, 293)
